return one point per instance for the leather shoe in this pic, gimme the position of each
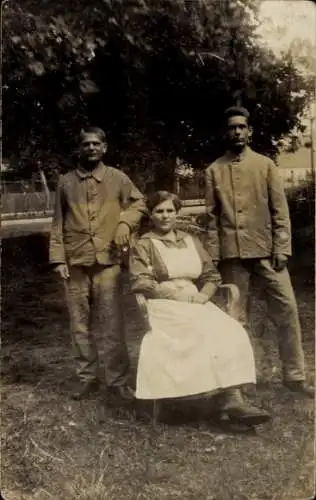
(86, 389)
(123, 392)
(300, 386)
(247, 414)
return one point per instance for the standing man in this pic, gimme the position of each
(96, 209)
(250, 233)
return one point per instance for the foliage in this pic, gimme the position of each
(301, 201)
(155, 74)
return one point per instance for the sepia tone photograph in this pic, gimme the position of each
(158, 249)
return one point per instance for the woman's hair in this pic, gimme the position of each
(159, 197)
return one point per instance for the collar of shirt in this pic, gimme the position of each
(180, 235)
(98, 173)
(234, 158)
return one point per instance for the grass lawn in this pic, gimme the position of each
(53, 447)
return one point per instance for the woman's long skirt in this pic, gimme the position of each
(192, 349)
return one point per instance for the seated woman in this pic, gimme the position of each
(193, 346)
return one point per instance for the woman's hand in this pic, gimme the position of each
(196, 298)
(182, 296)
(200, 298)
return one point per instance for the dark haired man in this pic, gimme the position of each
(96, 209)
(250, 233)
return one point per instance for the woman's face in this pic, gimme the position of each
(164, 216)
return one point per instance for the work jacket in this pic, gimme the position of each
(88, 208)
(248, 215)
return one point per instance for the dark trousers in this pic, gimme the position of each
(282, 306)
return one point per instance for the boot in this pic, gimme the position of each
(85, 390)
(123, 392)
(300, 386)
(240, 411)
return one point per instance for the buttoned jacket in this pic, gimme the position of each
(88, 208)
(247, 208)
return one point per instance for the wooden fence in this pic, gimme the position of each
(24, 203)
(14, 204)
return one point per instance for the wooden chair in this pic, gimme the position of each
(226, 297)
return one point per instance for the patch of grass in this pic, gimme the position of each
(53, 447)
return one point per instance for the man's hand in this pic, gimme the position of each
(62, 270)
(122, 235)
(279, 261)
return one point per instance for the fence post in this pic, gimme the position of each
(45, 186)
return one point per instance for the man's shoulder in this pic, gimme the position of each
(221, 160)
(116, 173)
(114, 170)
(67, 176)
(260, 158)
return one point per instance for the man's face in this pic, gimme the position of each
(91, 148)
(238, 132)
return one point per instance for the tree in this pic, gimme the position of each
(155, 74)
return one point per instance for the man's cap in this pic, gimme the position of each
(236, 111)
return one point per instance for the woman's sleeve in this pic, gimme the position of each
(210, 279)
(142, 273)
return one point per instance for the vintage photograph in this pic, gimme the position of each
(157, 250)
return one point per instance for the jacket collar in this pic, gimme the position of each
(180, 235)
(98, 173)
(231, 156)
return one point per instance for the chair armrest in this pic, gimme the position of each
(229, 294)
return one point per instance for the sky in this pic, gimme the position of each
(281, 21)
(292, 18)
